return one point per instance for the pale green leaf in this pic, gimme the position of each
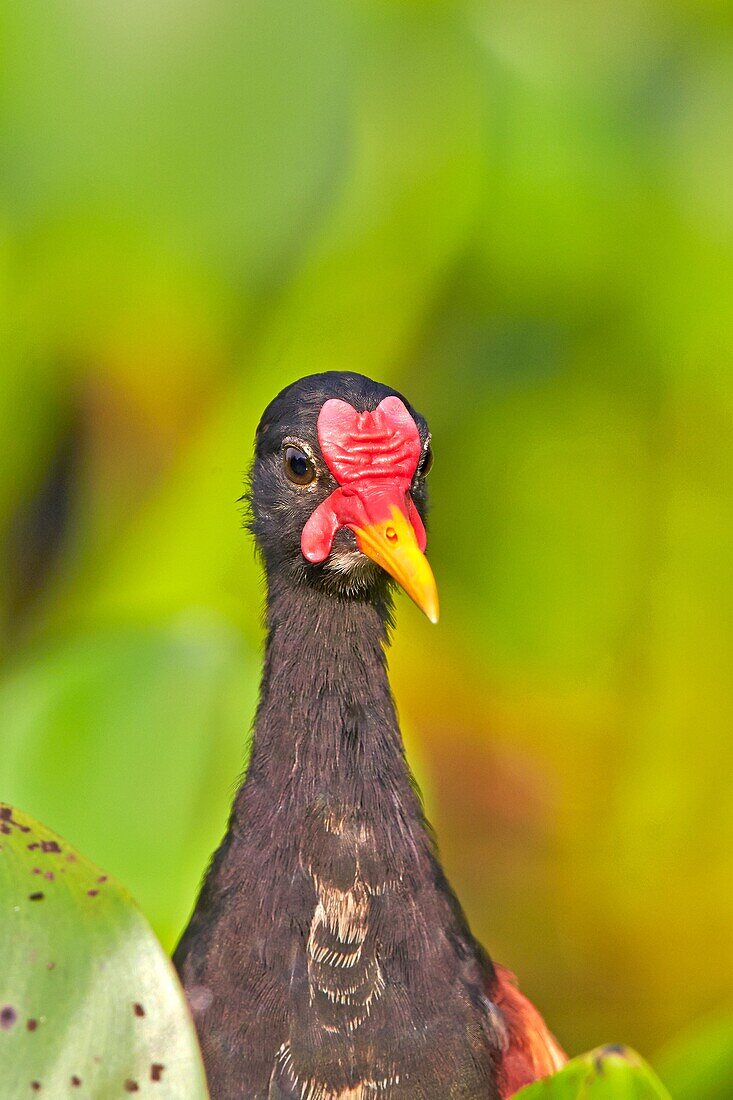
(89, 1003)
(608, 1073)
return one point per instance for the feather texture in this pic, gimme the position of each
(327, 957)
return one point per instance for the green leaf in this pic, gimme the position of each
(88, 999)
(607, 1073)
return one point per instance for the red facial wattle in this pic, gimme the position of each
(373, 457)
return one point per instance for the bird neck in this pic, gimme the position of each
(326, 730)
(325, 917)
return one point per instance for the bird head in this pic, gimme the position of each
(338, 492)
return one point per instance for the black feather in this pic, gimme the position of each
(385, 989)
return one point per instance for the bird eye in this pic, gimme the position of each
(426, 462)
(299, 466)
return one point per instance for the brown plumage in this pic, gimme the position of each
(327, 957)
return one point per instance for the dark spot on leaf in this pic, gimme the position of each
(32, 1024)
(32, 847)
(4, 828)
(8, 1016)
(92, 893)
(138, 1009)
(102, 878)
(35, 1085)
(37, 871)
(75, 1082)
(50, 966)
(71, 858)
(610, 1048)
(50, 846)
(39, 896)
(49, 876)
(6, 816)
(131, 1086)
(156, 1071)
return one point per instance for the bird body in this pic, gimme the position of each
(327, 957)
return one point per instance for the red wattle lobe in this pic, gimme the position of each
(318, 534)
(419, 527)
(373, 457)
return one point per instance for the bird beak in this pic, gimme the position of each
(392, 543)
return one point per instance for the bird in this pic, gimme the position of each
(327, 957)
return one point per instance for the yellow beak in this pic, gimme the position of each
(391, 543)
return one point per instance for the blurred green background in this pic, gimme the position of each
(520, 214)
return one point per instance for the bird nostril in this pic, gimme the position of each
(391, 534)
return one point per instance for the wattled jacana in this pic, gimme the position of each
(327, 957)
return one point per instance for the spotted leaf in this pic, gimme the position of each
(89, 1002)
